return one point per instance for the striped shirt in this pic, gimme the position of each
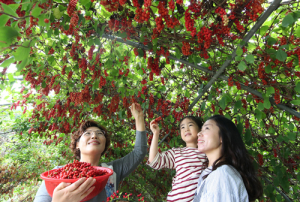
(188, 163)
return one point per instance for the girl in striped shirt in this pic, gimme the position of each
(188, 161)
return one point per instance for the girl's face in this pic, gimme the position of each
(208, 138)
(92, 142)
(189, 130)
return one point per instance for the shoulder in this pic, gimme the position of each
(226, 171)
(225, 174)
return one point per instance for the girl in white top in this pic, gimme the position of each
(230, 175)
(188, 161)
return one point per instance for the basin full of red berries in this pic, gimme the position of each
(71, 172)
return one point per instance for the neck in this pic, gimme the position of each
(192, 145)
(213, 156)
(93, 160)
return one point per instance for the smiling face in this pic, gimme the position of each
(209, 140)
(189, 130)
(91, 142)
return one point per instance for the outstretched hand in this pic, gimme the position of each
(136, 110)
(154, 127)
(73, 192)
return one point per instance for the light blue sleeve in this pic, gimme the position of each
(224, 184)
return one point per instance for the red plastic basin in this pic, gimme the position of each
(52, 183)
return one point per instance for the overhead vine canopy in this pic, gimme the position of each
(92, 59)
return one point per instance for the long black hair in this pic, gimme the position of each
(234, 153)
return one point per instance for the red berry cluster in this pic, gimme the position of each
(186, 48)
(277, 96)
(75, 170)
(71, 7)
(153, 64)
(74, 19)
(91, 52)
(110, 5)
(190, 23)
(122, 2)
(102, 82)
(172, 5)
(162, 80)
(260, 159)
(135, 50)
(230, 81)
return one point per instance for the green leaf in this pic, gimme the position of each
(297, 88)
(104, 12)
(36, 11)
(9, 10)
(297, 32)
(279, 139)
(11, 77)
(239, 51)
(260, 106)
(242, 66)
(238, 58)
(248, 137)
(57, 14)
(97, 41)
(295, 102)
(291, 126)
(250, 58)
(23, 51)
(268, 69)
(238, 104)
(44, 84)
(281, 55)
(23, 64)
(141, 52)
(271, 130)
(258, 114)
(3, 20)
(263, 30)
(122, 35)
(222, 103)
(187, 93)
(288, 20)
(271, 41)
(7, 62)
(142, 39)
(84, 2)
(177, 53)
(240, 127)
(270, 90)
(7, 35)
(267, 104)
(203, 104)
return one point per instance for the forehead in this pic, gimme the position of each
(186, 121)
(93, 128)
(210, 122)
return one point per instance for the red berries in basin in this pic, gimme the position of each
(71, 172)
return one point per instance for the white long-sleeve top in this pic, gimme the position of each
(188, 163)
(223, 184)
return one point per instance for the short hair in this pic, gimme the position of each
(75, 137)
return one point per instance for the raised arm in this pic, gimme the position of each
(154, 143)
(124, 166)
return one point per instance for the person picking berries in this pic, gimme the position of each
(187, 161)
(88, 144)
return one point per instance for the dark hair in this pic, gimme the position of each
(197, 120)
(75, 137)
(234, 153)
